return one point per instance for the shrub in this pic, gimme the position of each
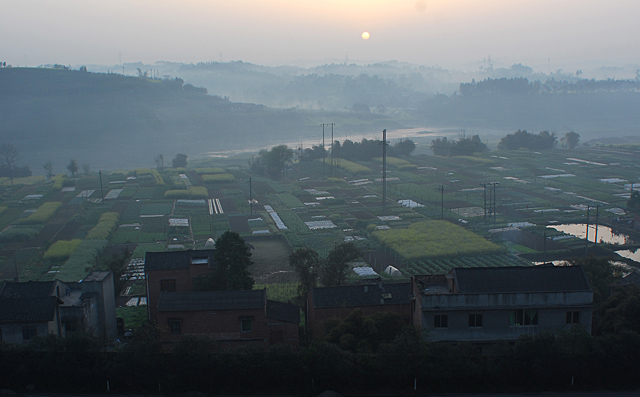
(42, 214)
(431, 239)
(218, 178)
(62, 249)
(105, 226)
(17, 234)
(353, 168)
(194, 192)
(83, 257)
(209, 170)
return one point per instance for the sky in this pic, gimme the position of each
(447, 33)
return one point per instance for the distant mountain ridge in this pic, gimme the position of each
(113, 121)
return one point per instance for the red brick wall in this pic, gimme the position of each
(224, 325)
(184, 283)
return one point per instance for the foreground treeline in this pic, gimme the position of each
(543, 362)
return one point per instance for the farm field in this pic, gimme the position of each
(487, 210)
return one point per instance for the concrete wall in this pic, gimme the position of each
(496, 310)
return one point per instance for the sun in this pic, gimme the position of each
(365, 35)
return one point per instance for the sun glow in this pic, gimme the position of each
(365, 35)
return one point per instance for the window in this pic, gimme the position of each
(475, 320)
(440, 321)
(29, 332)
(521, 317)
(200, 260)
(174, 325)
(573, 317)
(168, 285)
(246, 325)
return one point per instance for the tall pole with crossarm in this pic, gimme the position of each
(384, 171)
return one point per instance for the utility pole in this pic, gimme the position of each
(384, 144)
(250, 198)
(595, 240)
(442, 202)
(101, 191)
(324, 153)
(484, 197)
(544, 247)
(333, 171)
(494, 201)
(586, 238)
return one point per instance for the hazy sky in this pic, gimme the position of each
(449, 33)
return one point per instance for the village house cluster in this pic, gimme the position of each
(478, 305)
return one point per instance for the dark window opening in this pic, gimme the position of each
(246, 325)
(174, 326)
(29, 332)
(521, 317)
(168, 285)
(573, 317)
(440, 321)
(475, 320)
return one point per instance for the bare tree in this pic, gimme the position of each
(86, 168)
(8, 158)
(48, 166)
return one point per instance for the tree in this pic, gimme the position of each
(572, 139)
(48, 166)
(232, 260)
(306, 263)
(273, 162)
(334, 269)
(159, 159)
(8, 158)
(86, 168)
(620, 312)
(179, 161)
(73, 167)
(600, 273)
(633, 204)
(405, 147)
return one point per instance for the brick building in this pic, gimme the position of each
(339, 302)
(229, 317)
(174, 271)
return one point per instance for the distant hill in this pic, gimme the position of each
(110, 121)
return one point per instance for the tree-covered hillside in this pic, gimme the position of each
(113, 121)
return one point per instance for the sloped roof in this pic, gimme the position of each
(361, 295)
(175, 259)
(520, 279)
(283, 312)
(96, 276)
(30, 310)
(211, 300)
(29, 289)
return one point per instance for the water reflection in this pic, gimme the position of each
(634, 255)
(605, 234)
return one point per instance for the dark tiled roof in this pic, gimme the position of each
(174, 259)
(521, 279)
(30, 310)
(29, 289)
(361, 295)
(96, 276)
(211, 300)
(283, 312)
